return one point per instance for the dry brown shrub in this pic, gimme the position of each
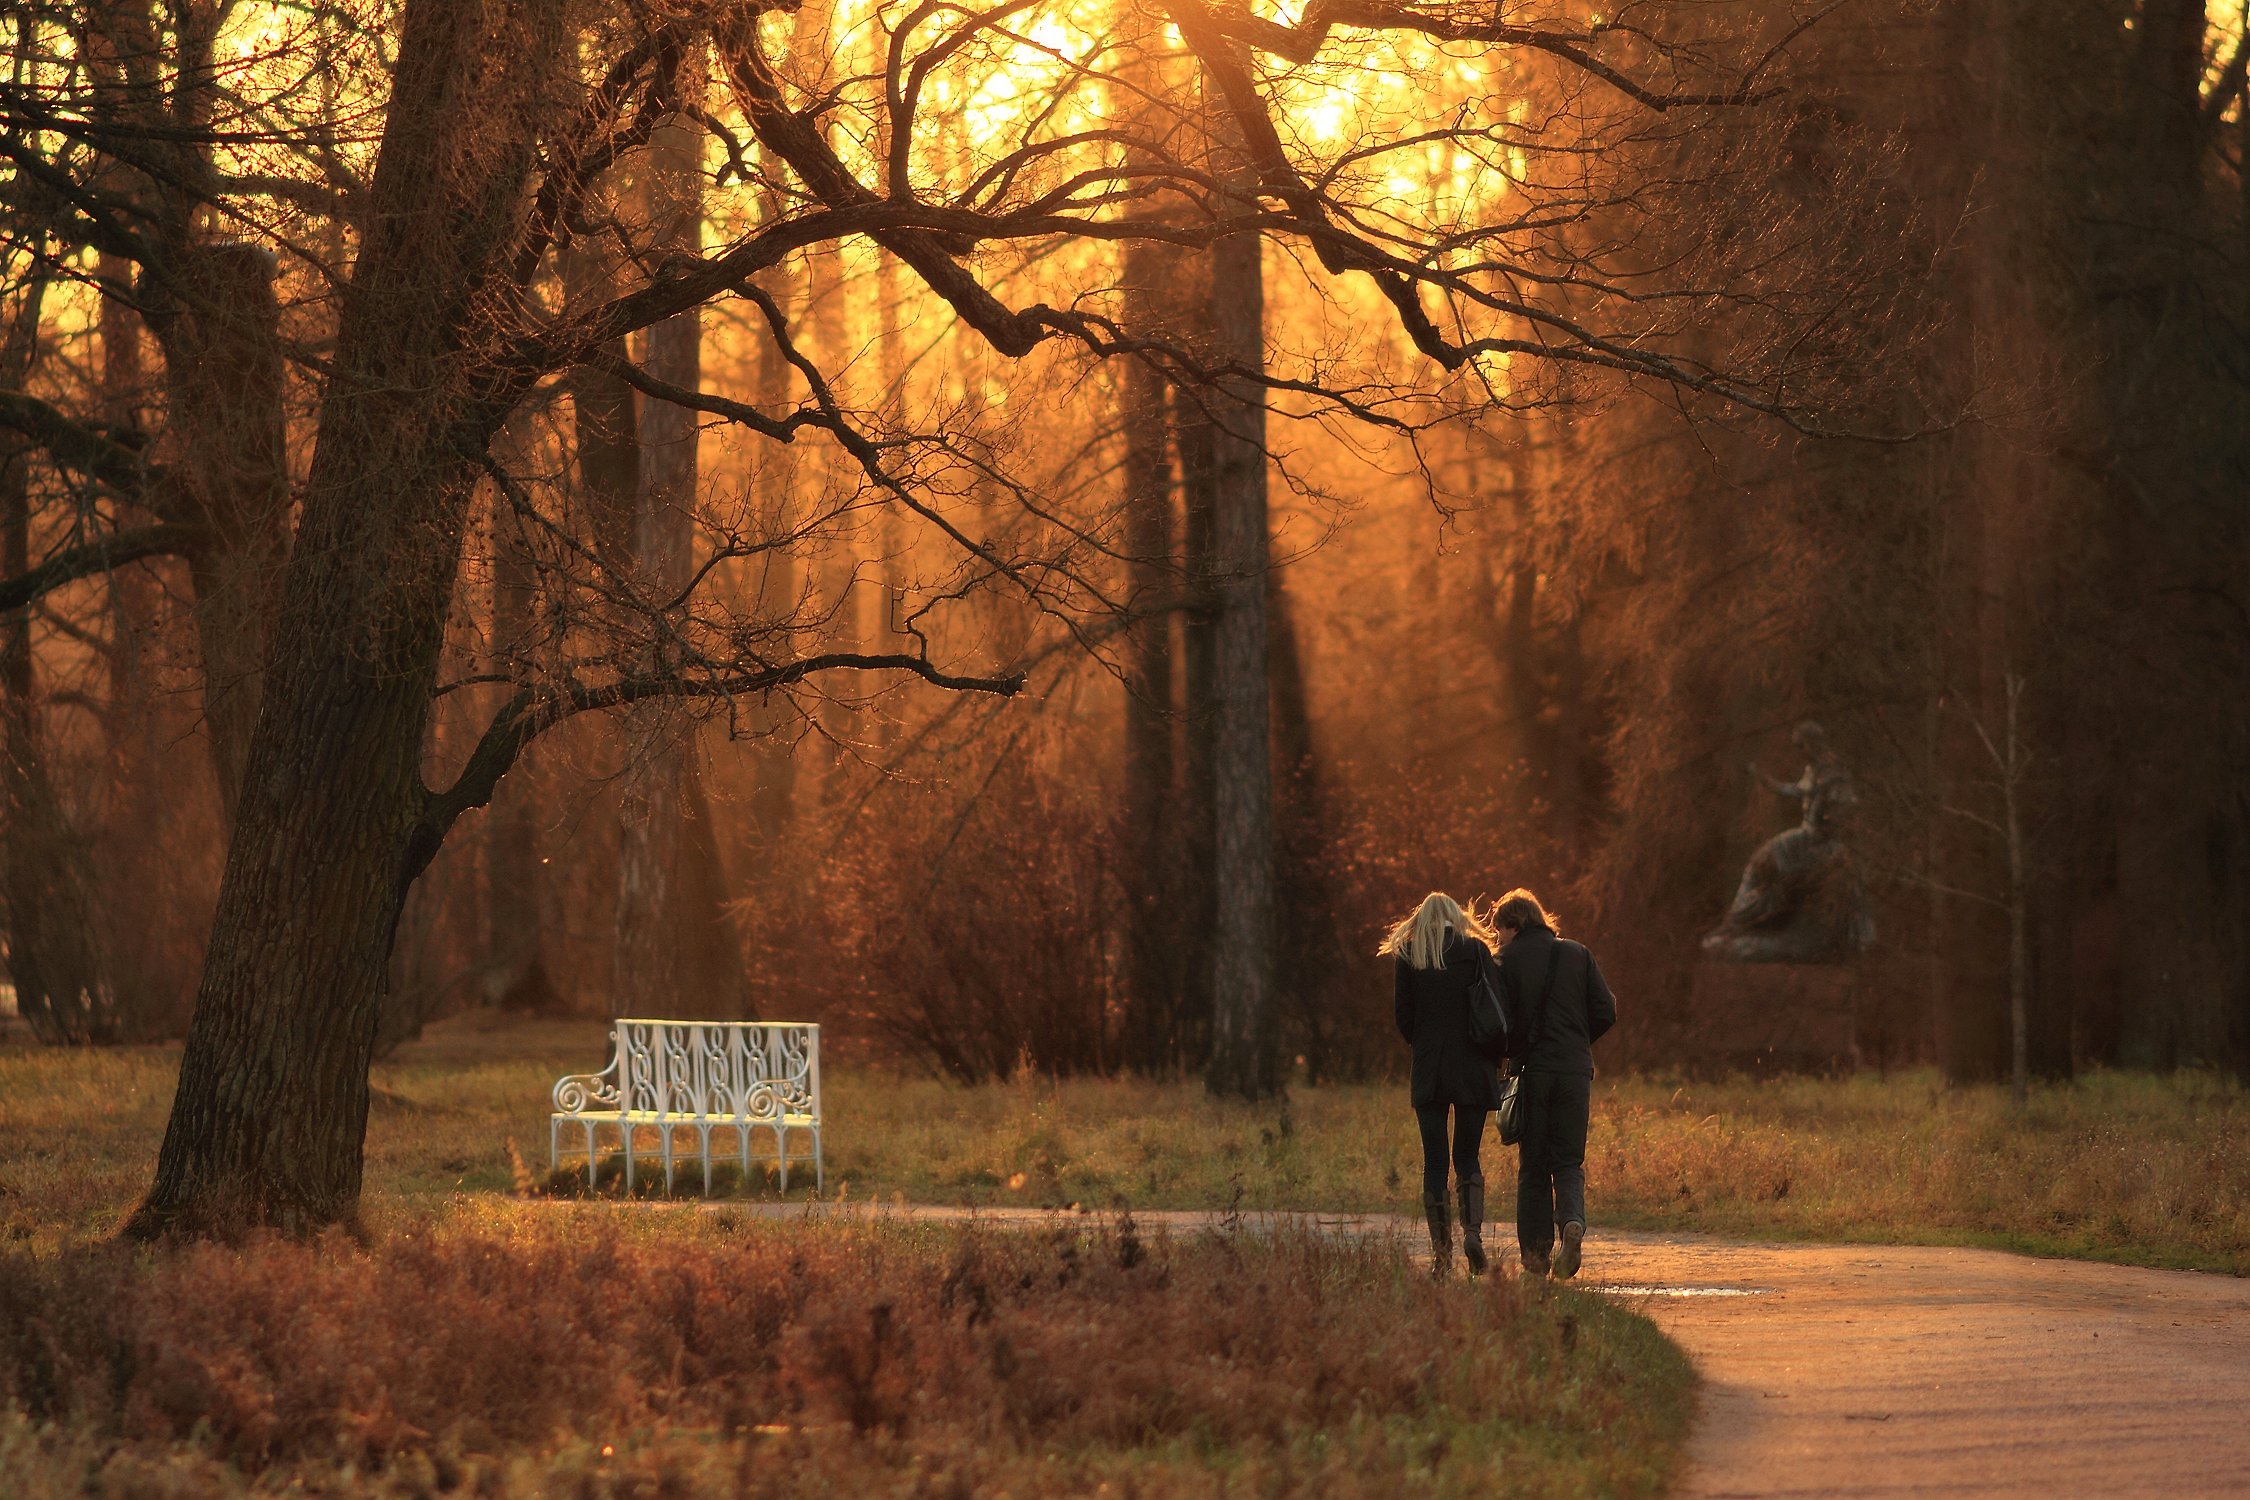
(873, 1345)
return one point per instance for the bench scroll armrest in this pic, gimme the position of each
(576, 1091)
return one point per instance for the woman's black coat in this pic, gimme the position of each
(1432, 1007)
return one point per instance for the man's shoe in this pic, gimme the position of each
(1566, 1259)
(1534, 1265)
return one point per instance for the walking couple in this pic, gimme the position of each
(1557, 1004)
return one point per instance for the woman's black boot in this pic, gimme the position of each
(1441, 1232)
(1472, 1224)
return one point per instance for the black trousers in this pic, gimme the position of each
(1468, 1135)
(1551, 1164)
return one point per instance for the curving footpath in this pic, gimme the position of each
(1854, 1370)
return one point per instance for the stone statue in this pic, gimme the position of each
(1800, 901)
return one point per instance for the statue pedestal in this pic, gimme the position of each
(1774, 1018)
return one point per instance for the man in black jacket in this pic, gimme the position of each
(1557, 990)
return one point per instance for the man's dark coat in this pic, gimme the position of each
(1579, 1011)
(1432, 1008)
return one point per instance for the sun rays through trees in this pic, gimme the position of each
(1014, 525)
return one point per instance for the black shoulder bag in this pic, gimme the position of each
(1488, 1017)
(1511, 1094)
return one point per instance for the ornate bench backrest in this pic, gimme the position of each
(740, 1070)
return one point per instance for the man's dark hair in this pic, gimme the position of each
(1520, 909)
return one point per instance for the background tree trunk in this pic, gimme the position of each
(517, 949)
(773, 795)
(605, 420)
(1243, 1063)
(1146, 811)
(1192, 842)
(674, 954)
(155, 821)
(1313, 942)
(54, 956)
(223, 360)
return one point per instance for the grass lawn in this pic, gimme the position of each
(476, 1342)
(481, 1341)
(2114, 1167)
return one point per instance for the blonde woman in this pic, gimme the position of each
(1439, 953)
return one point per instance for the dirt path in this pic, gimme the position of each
(1854, 1370)
(1857, 1370)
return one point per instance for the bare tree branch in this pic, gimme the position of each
(87, 450)
(532, 711)
(99, 556)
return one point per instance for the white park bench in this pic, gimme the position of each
(743, 1076)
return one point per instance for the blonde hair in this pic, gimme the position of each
(1419, 938)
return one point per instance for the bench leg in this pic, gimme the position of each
(819, 1167)
(625, 1129)
(742, 1139)
(704, 1131)
(590, 1156)
(781, 1153)
(667, 1128)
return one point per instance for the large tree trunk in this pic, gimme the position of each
(269, 1121)
(1243, 1062)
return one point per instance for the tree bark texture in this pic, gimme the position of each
(155, 820)
(1976, 600)
(1193, 828)
(269, 1121)
(773, 797)
(517, 949)
(651, 971)
(54, 956)
(1243, 1062)
(1310, 952)
(818, 59)
(892, 288)
(223, 362)
(605, 420)
(1146, 812)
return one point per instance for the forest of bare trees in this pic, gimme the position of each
(1026, 533)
